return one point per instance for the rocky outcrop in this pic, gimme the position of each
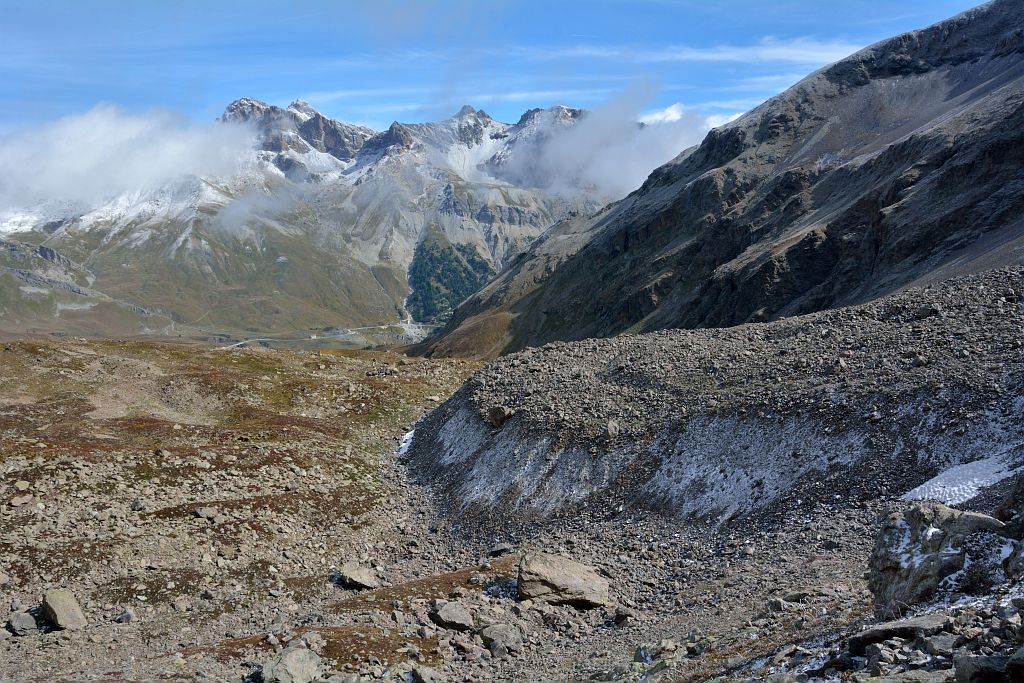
(900, 164)
(922, 548)
(560, 581)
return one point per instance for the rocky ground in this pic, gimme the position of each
(205, 508)
(181, 513)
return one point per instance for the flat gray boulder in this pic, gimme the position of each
(560, 581)
(908, 629)
(61, 609)
(453, 616)
(352, 575)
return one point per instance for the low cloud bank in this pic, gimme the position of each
(611, 149)
(88, 158)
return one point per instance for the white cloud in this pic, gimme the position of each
(608, 150)
(716, 120)
(88, 158)
(804, 51)
(671, 113)
(678, 111)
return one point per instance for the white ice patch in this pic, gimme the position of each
(963, 482)
(403, 447)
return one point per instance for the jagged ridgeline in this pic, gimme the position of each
(899, 165)
(325, 225)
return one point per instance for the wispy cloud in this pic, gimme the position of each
(679, 111)
(802, 51)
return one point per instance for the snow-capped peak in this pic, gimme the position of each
(303, 109)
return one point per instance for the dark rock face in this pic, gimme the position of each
(900, 164)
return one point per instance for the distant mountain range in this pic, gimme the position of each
(330, 225)
(900, 165)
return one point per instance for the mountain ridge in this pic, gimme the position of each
(317, 229)
(843, 188)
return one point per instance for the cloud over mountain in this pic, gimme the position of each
(107, 151)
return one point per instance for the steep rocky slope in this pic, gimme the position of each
(320, 227)
(731, 423)
(899, 165)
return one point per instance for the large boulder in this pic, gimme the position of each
(61, 609)
(924, 550)
(560, 581)
(908, 629)
(353, 575)
(452, 616)
(294, 665)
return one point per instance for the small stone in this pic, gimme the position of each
(126, 617)
(500, 550)
(22, 485)
(499, 415)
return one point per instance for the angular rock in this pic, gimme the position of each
(22, 624)
(453, 616)
(426, 674)
(560, 581)
(295, 665)
(503, 635)
(351, 575)
(61, 609)
(980, 669)
(126, 617)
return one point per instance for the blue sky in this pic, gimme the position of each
(374, 62)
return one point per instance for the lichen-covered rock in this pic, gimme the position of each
(931, 546)
(560, 581)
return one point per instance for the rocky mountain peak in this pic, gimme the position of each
(247, 109)
(303, 108)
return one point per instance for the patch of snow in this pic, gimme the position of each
(963, 482)
(17, 221)
(74, 307)
(403, 447)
